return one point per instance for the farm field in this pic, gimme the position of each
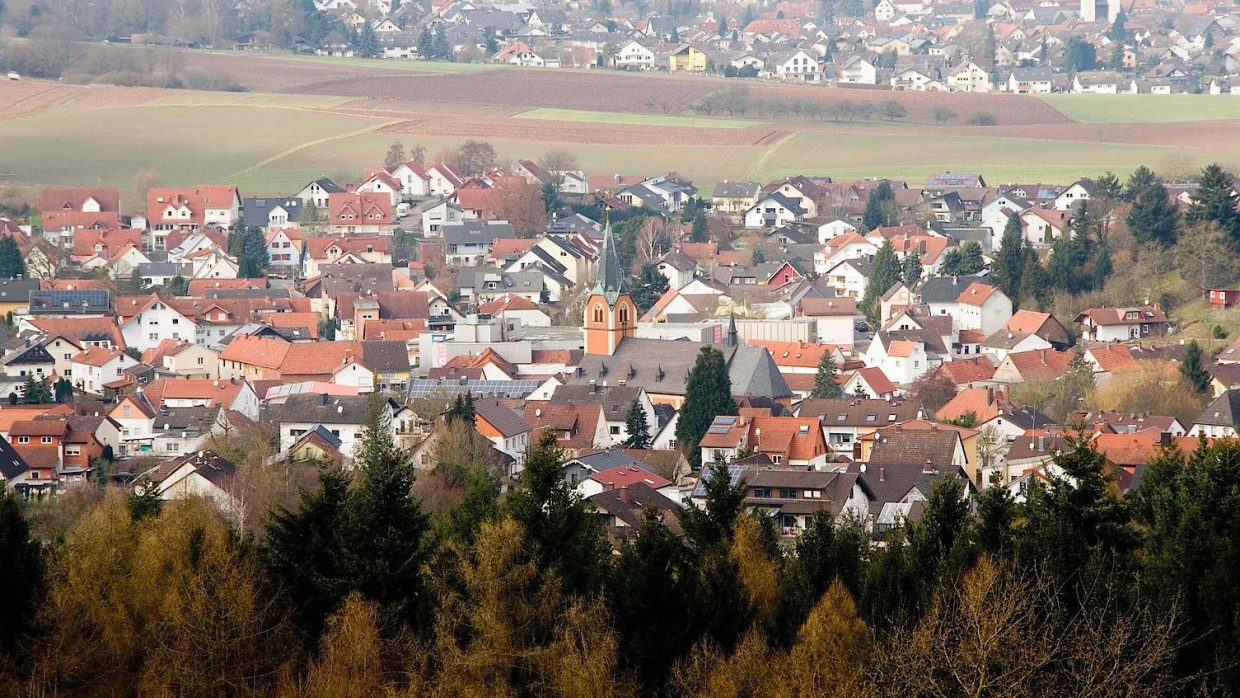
(1133, 109)
(305, 117)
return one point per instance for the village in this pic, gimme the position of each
(1018, 47)
(867, 337)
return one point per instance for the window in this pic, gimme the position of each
(23, 439)
(615, 431)
(153, 336)
(46, 440)
(200, 361)
(787, 494)
(173, 446)
(762, 492)
(777, 459)
(598, 313)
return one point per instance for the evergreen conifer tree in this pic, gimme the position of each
(885, 272)
(1215, 202)
(11, 262)
(825, 385)
(708, 394)
(22, 571)
(638, 428)
(1153, 216)
(1009, 260)
(1192, 369)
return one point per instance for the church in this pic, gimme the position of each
(661, 366)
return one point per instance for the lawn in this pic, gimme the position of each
(602, 117)
(1133, 109)
(186, 145)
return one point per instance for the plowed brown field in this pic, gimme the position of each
(584, 133)
(599, 90)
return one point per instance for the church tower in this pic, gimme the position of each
(610, 314)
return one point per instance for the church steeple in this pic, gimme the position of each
(610, 313)
(610, 282)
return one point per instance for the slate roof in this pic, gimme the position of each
(1223, 411)
(897, 447)
(662, 366)
(945, 289)
(859, 412)
(505, 420)
(628, 504)
(614, 399)
(474, 232)
(317, 408)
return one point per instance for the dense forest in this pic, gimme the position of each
(380, 583)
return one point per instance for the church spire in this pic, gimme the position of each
(732, 331)
(610, 281)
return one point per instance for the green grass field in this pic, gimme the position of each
(602, 117)
(1132, 109)
(186, 145)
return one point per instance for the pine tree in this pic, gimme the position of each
(303, 549)
(426, 46)
(708, 394)
(649, 287)
(1034, 282)
(36, 392)
(1192, 369)
(555, 519)
(700, 231)
(1102, 265)
(462, 408)
(714, 522)
(1138, 181)
(649, 589)
(1214, 201)
(1153, 216)
(885, 272)
(11, 262)
(22, 564)
(876, 206)
(911, 268)
(971, 261)
(638, 428)
(384, 525)
(1009, 261)
(825, 385)
(949, 262)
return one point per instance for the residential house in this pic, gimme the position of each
(204, 474)
(1220, 418)
(319, 192)
(734, 197)
(205, 205)
(633, 56)
(360, 213)
(64, 211)
(772, 211)
(1122, 324)
(983, 307)
(341, 415)
(96, 368)
(844, 421)
(505, 428)
(468, 243)
(687, 58)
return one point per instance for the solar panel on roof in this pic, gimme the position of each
(717, 430)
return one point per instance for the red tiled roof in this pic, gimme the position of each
(969, 370)
(794, 354)
(626, 475)
(976, 293)
(400, 329)
(74, 328)
(507, 302)
(1113, 357)
(96, 356)
(504, 247)
(72, 198)
(256, 351)
(1026, 321)
(1040, 364)
(199, 287)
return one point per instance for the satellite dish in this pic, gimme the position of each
(862, 468)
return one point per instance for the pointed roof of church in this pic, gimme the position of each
(611, 282)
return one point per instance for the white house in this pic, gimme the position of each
(983, 307)
(202, 474)
(149, 320)
(436, 213)
(284, 248)
(901, 360)
(772, 211)
(413, 179)
(797, 65)
(834, 229)
(634, 56)
(1072, 197)
(859, 71)
(97, 367)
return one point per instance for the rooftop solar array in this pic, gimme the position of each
(478, 388)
